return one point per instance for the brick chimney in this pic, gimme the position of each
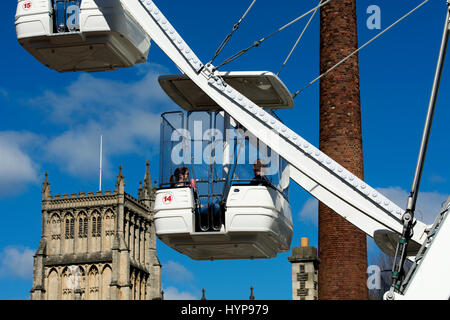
(342, 247)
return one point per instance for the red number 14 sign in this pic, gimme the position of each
(167, 198)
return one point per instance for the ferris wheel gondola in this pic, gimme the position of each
(88, 35)
(223, 194)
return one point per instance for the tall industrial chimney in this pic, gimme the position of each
(342, 247)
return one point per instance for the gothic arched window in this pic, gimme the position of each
(69, 227)
(99, 226)
(72, 227)
(93, 284)
(108, 224)
(85, 227)
(94, 226)
(82, 226)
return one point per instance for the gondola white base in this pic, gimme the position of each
(258, 224)
(109, 38)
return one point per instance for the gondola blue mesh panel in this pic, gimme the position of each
(67, 15)
(60, 15)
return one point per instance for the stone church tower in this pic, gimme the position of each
(98, 246)
(305, 263)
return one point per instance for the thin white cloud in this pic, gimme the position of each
(94, 98)
(77, 150)
(16, 262)
(310, 210)
(4, 93)
(172, 293)
(125, 113)
(428, 206)
(437, 179)
(17, 168)
(175, 272)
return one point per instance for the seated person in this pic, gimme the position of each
(181, 178)
(259, 179)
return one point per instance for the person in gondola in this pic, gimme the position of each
(178, 179)
(259, 179)
(181, 178)
(172, 181)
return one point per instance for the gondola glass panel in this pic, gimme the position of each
(221, 192)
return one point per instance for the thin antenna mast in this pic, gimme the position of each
(101, 162)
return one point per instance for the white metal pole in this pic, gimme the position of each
(101, 162)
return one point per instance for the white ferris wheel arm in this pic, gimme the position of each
(313, 170)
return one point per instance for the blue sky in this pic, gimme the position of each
(52, 122)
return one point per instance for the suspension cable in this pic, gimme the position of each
(359, 49)
(228, 37)
(299, 38)
(258, 42)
